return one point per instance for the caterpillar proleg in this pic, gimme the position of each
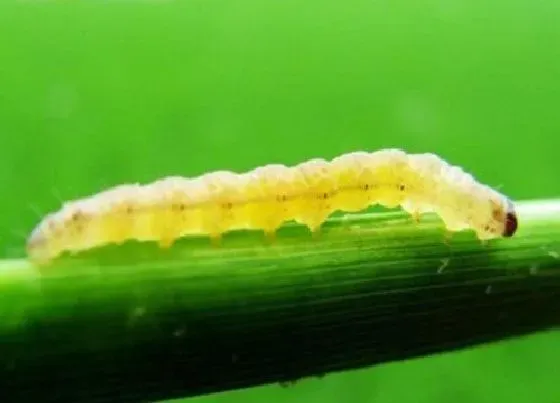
(266, 197)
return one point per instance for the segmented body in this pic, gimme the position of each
(266, 197)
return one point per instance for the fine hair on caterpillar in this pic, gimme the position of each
(268, 196)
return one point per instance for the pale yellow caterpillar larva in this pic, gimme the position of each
(267, 197)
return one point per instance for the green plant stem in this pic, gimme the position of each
(135, 323)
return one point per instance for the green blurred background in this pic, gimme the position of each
(97, 93)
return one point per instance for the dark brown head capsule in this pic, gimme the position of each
(510, 224)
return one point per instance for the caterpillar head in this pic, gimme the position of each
(510, 220)
(502, 219)
(496, 218)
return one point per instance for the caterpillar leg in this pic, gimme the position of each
(214, 229)
(315, 231)
(413, 210)
(270, 236)
(314, 222)
(484, 241)
(451, 226)
(216, 240)
(447, 237)
(166, 243)
(270, 226)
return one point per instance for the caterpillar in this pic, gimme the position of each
(268, 196)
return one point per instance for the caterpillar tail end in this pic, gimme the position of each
(510, 225)
(37, 248)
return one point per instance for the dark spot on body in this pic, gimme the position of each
(401, 187)
(497, 213)
(178, 207)
(77, 220)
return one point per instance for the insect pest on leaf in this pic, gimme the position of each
(267, 197)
